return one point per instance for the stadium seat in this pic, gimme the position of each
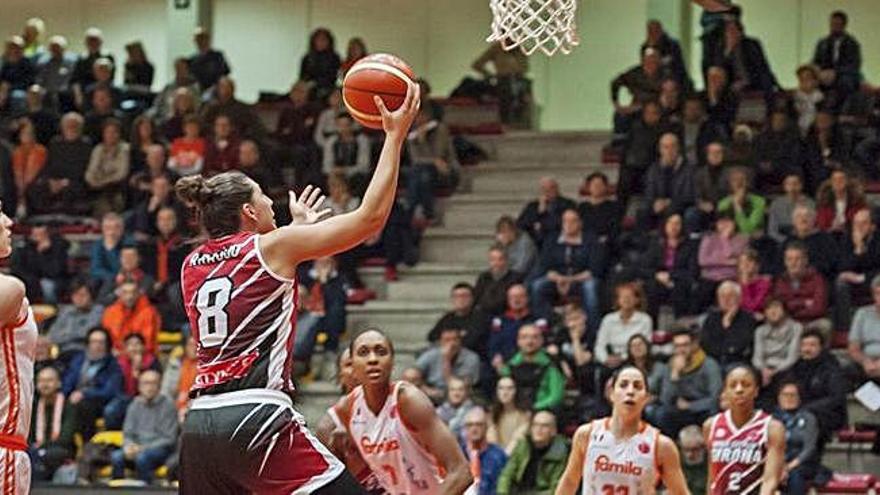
(839, 339)
(360, 296)
(661, 337)
(373, 262)
(170, 338)
(848, 483)
(109, 437)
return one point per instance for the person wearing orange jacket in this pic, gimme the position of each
(132, 313)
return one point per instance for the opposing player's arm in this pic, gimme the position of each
(11, 299)
(430, 431)
(328, 432)
(707, 431)
(775, 458)
(571, 478)
(287, 246)
(670, 467)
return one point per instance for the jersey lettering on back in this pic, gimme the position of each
(737, 455)
(242, 316)
(620, 467)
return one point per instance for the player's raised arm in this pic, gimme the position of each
(11, 296)
(670, 467)
(775, 458)
(292, 244)
(571, 478)
(430, 431)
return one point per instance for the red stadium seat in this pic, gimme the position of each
(360, 296)
(851, 435)
(373, 262)
(661, 337)
(848, 483)
(610, 156)
(839, 339)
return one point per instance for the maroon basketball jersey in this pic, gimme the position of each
(241, 314)
(738, 454)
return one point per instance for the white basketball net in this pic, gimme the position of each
(548, 25)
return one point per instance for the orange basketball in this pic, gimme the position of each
(380, 74)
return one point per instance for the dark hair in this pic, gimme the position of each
(81, 282)
(111, 122)
(356, 41)
(683, 331)
(497, 409)
(756, 375)
(839, 14)
(788, 380)
(812, 332)
(217, 200)
(107, 336)
(135, 335)
(317, 32)
(597, 175)
(625, 367)
(505, 220)
(192, 119)
(462, 285)
(135, 138)
(649, 358)
(798, 246)
(368, 330)
(447, 329)
(498, 247)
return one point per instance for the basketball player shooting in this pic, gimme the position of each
(242, 434)
(18, 339)
(621, 454)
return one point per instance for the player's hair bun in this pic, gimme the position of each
(194, 190)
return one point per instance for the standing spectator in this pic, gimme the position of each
(103, 75)
(520, 249)
(801, 439)
(639, 146)
(718, 258)
(803, 290)
(320, 65)
(242, 115)
(728, 333)
(83, 74)
(433, 163)
(132, 313)
(619, 327)
(355, 51)
(138, 69)
(348, 153)
(720, 101)
(755, 287)
(510, 421)
(108, 169)
(150, 430)
(61, 188)
(296, 129)
(504, 328)
(466, 318)
(670, 52)
(207, 65)
(456, 405)
(864, 337)
(779, 216)
(837, 201)
(28, 160)
(747, 208)
(669, 268)
(542, 218)
(490, 290)
(777, 343)
(823, 251)
(643, 83)
(133, 361)
(859, 264)
(743, 58)
(164, 105)
(104, 262)
(822, 150)
(669, 185)
(222, 150)
(54, 71)
(694, 463)
(508, 81)
(42, 265)
(570, 266)
(777, 151)
(670, 102)
(188, 151)
(538, 380)
(92, 380)
(68, 329)
(53, 423)
(839, 58)
(445, 360)
(538, 461)
(711, 184)
(807, 97)
(690, 389)
(600, 212)
(486, 459)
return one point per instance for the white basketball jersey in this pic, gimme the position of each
(18, 343)
(621, 467)
(402, 465)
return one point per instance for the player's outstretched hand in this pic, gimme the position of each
(304, 210)
(399, 121)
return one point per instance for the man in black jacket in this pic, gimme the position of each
(743, 58)
(839, 58)
(728, 333)
(471, 321)
(490, 291)
(542, 217)
(669, 185)
(42, 265)
(670, 53)
(60, 188)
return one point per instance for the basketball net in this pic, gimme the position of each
(548, 25)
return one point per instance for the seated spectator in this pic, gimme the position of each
(640, 355)
(807, 97)
(165, 103)
(777, 151)
(129, 271)
(777, 343)
(295, 131)
(743, 58)
(822, 385)
(577, 363)
(509, 421)
(445, 360)
(221, 151)
(864, 338)
(143, 219)
(54, 70)
(508, 82)
(183, 106)
(42, 265)
(92, 380)
(823, 252)
(246, 122)
(690, 388)
(728, 333)
(670, 102)
(698, 132)
(250, 162)
(28, 160)
(619, 327)
(133, 361)
(599, 211)
(102, 70)
(180, 374)
(102, 110)
(433, 162)
(61, 187)
(669, 268)
(803, 290)
(68, 329)
(104, 261)
(140, 184)
(320, 65)
(538, 461)
(355, 51)
(207, 65)
(17, 71)
(711, 184)
(542, 218)
(144, 135)
(520, 249)
(138, 69)
(779, 215)
(719, 99)
(486, 459)
(839, 58)
(741, 151)
(150, 430)
(325, 301)
(694, 457)
(187, 155)
(747, 208)
(490, 290)
(837, 201)
(504, 328)
(755, 287)
(643, 83)
(348, 151)
(466, 317)
(326, 123)
(802, 456)
(669, 185)
(859, 264)
(108, 169)
(340, 200)
(822, 150)
(45, 121)
(639, 148)
(538, 380)
(132, 313)
(718, 257)
(53, 423)
(456, 405)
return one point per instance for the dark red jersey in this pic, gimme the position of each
(737, 455)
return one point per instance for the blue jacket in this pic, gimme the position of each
(503, 330)
(571, 259)
(492, 461)
(103, 386)
(104, 263)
